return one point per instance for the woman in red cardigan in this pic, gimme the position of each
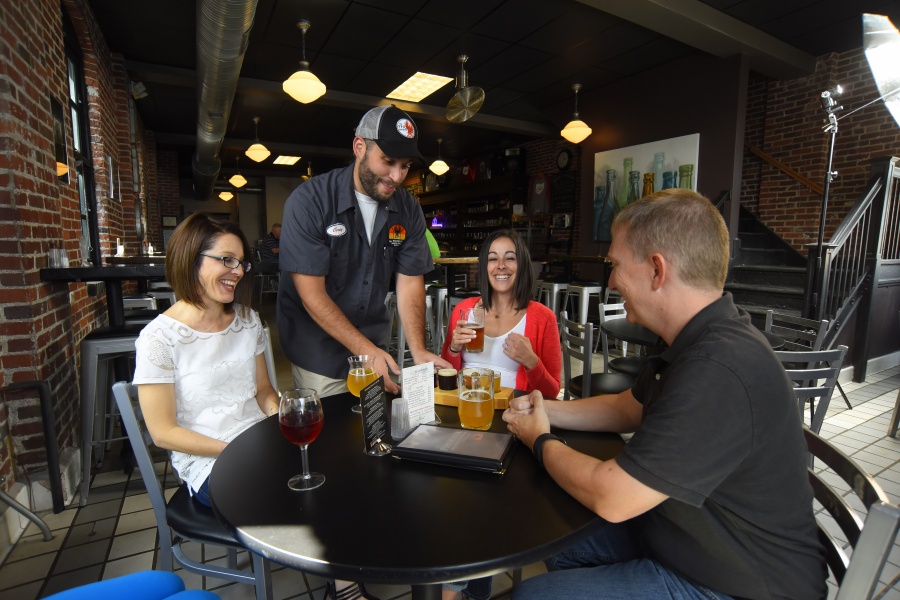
(521, 338)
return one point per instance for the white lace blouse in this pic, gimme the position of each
(214, 376)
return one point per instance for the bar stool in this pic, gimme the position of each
(548, 294)
(437, 293)
(97, 349)
(140, 302)
(582, 292)
(397, 343)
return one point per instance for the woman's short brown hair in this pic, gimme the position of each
(524, 275)
(197, 234)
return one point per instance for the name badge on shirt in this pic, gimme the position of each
(336, 230)
(396, 235)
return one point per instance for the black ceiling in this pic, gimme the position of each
(525, 54)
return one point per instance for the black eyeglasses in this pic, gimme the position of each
(231, 262)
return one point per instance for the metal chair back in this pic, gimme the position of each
(814, 375)
(183, 519)
(871, 541)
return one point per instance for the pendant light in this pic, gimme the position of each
(576, 130)
(226, 196)
(237, 180)
(439, 167)
(257, 151)
(303, 86)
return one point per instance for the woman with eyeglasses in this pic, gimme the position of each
(200, 368)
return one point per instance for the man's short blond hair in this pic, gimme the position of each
(685, 228)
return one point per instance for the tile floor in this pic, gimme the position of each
(115, 532)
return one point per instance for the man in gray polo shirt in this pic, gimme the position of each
(344, 233)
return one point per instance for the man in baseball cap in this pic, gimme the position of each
(344, 235)
(394, 132)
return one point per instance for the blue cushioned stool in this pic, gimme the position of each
(144, 585)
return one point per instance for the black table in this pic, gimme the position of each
(449, 263)
(393, 521)
(113, 276)
(621, 329)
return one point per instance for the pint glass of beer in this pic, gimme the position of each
(476, 398)
(474, 319)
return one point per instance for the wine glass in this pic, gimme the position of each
(362, 373)
(301, 418)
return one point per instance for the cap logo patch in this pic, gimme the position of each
(336, 230)
(406, 128)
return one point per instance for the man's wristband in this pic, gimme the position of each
(538, 447)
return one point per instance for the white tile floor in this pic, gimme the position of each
(115, 533)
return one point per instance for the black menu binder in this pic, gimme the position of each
(465, 448)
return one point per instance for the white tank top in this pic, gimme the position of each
(494, 358)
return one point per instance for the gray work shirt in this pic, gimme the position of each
(323, 234)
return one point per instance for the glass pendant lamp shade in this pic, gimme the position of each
(237, 180)
(576, 130)
(257, 152)
(303, 86)
(439, 167)
(226, 196)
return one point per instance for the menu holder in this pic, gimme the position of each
(374, 418)
(465, 448)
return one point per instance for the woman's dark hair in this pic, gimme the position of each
(524, 274)
(196, 234)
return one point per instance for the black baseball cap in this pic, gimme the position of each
(393, 130)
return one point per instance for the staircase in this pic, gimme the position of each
(765, 272)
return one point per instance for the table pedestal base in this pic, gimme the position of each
(426, 592)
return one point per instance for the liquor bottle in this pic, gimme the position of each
(659, 160)
(648, 185)
(622, 198)
(669, 179)
(599, 202)
(634, 190)
(686, 177)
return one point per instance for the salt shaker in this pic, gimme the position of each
(399, 418)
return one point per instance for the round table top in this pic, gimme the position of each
(629, 332)
(386, 519)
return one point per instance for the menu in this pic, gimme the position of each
(374, 417)
(418, 389)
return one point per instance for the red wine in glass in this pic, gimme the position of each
(301, 418)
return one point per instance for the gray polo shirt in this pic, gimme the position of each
(323, 234)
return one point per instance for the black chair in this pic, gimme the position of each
(183, 519)
(872, 542)
(577, 343)
(814, 375)
(801, 335)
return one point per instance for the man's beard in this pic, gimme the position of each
(369, 181)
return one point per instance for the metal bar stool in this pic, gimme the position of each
(438, 295)
(582, 293)
(97, 349)
(548, 294)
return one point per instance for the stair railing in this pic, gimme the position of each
(851, 258)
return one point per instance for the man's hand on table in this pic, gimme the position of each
(527, 418)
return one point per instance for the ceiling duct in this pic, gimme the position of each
(223, 32)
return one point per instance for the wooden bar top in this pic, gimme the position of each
(456, 260)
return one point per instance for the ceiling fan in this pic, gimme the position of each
(467, 100)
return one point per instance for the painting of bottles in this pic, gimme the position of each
(623, 175)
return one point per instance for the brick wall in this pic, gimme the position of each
(785, 119)
(41, 324)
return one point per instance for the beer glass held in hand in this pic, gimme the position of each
(362, 373)
(301, 418)
(474, 319)
(476, 398)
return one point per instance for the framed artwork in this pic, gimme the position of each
(673, 163)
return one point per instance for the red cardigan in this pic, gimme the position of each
(541, 329)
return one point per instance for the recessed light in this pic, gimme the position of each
(419, 86)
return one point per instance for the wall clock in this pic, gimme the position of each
(564, 159)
